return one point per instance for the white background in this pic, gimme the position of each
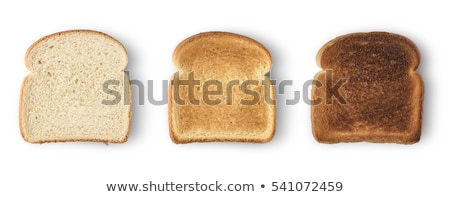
(293, 32)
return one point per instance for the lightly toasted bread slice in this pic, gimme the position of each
(68, 97)
(220, 92)
(383, 93)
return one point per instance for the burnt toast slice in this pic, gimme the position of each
(380, 96)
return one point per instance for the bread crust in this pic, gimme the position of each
(21, 126)
(217, 135)
(377, 113)
(22, 91)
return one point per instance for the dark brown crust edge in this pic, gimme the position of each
(21, 126)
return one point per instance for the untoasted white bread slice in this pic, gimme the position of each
(235, 99)
(77, 90)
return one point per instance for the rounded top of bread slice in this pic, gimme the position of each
(57, 51)
(368, 48)
(223, 54)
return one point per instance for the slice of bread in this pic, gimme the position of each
(220, 92)
(77, 90)
(383, 93)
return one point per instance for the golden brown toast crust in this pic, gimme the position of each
(223, 57)
(383, 93)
